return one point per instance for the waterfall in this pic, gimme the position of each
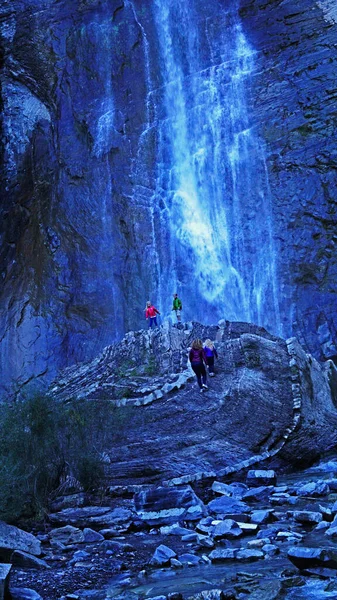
(212, 196)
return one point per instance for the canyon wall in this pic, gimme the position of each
(161, 147)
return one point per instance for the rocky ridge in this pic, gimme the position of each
(197, 504)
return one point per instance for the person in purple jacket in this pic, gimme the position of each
(210, 353)
(198, 363)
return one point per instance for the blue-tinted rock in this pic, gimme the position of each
(162, 555)
(168, 505)
(226, 505)
(189, 559)
(28, 561)
(226, 529)
(260, 477)
(315, 488)
(303, 557)
(222, 555)
(258, 493)
(306, 516)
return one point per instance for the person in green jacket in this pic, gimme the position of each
(177, 306)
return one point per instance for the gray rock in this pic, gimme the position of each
(226, 529)
(303, 557)
(223, 555)
(12, 538)
(261, 516)
(248, 528)
(260, 478)
(176, 564)
(162, 556)
(258, 494)
(270, 549)
(67, 501)
(189, 559)
(27, 561)
(306, 516)
(67, 535)
(322, 525)
(91, 536)
(221, 488)
(191, 537)
(168, 505)
(79, 555)
(314, 489)
(175, 529)
(332, 483)
(224, 505)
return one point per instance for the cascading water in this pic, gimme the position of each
(211, 208)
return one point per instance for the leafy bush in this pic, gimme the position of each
(43, 442)
(151, 367)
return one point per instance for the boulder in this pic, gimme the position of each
(258, 494)
(260, 477)
(307, 516)
(314, 489)
(189, 559)
(226, 529)
(67, 535)
(224, 505)
(90, 536)
(162, 556)
(223, 554)
(12, 538)
(304, 557)
(168, 505)
(261, 516)
(27, 561)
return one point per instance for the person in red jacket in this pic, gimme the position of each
(151, 314)
(198, 363)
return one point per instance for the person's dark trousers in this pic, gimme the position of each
(200, 371)
(152, 320)
(210, 363)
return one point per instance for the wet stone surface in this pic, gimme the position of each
(276, 552)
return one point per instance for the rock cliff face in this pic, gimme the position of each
(162, 147)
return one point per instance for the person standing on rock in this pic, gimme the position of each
(210, 353)
(151, 314)
(177, 306)
(198, 363)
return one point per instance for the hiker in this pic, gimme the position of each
(198, 359)
(151, 314)
(210, 353)
(177, 306)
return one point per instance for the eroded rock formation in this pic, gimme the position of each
(269, 401)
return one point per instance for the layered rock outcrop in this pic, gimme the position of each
(269, 402)
(102, 103)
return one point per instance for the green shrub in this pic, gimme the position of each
(151, 367)
(42, 442)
